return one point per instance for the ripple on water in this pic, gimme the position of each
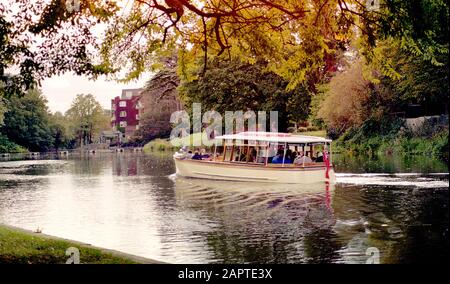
(150, 212)
(409, 180)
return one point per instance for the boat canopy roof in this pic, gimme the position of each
(277, 137)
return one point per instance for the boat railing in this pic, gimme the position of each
(290, 165)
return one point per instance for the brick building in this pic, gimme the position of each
(125, 111)
(160, 100)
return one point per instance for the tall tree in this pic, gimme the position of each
(60, 129)
(233, 85)
(2, 110)
(40, 38)
(88, 118)
(27, 123)
(411, 79)
(298, 38)
(159, 100)
(346, 101)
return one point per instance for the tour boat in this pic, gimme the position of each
(261, 157)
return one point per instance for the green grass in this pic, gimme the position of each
(161, 145)
(435, 146)
(26, 248)
(318, 133)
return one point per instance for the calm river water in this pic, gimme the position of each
(133, 203)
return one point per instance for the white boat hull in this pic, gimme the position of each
(253, 172)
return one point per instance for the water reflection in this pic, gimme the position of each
(257, 222)
(133, 203)
(406, 225)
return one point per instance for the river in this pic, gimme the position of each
(394, 209)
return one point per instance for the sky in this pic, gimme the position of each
(61, 90)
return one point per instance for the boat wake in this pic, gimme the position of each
(420, 180)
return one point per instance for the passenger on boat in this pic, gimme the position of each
(293, 156)
(319, 158)
(204, 155)
(252, 156)
(278, 159)
(288, 158)
(240, 156)
(301, 159)
(197, 156)
(270, 153)
(182, 154)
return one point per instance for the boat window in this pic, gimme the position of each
(228, 150)
(284, 154)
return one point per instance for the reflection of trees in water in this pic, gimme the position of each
(321, 246)
(312, 246)
(17, 193)
(406, 225)
(131, 164)
(32, 168)
(262, 223)
(421, 232)
(123, 165)
(92, 165)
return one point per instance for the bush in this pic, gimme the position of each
(7, 146)
(440, 145)
(159, 145)
(392, 141)
(387, 135)
(346, 99)
(313, 128)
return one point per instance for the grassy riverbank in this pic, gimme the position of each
(23, 247)
(161, 145)
(318, 133)
(158, 145)
(436, 146)
(394, 139)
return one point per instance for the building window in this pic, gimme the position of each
(123, 114)
(122, 103)
(128, 94)
(123, 124)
